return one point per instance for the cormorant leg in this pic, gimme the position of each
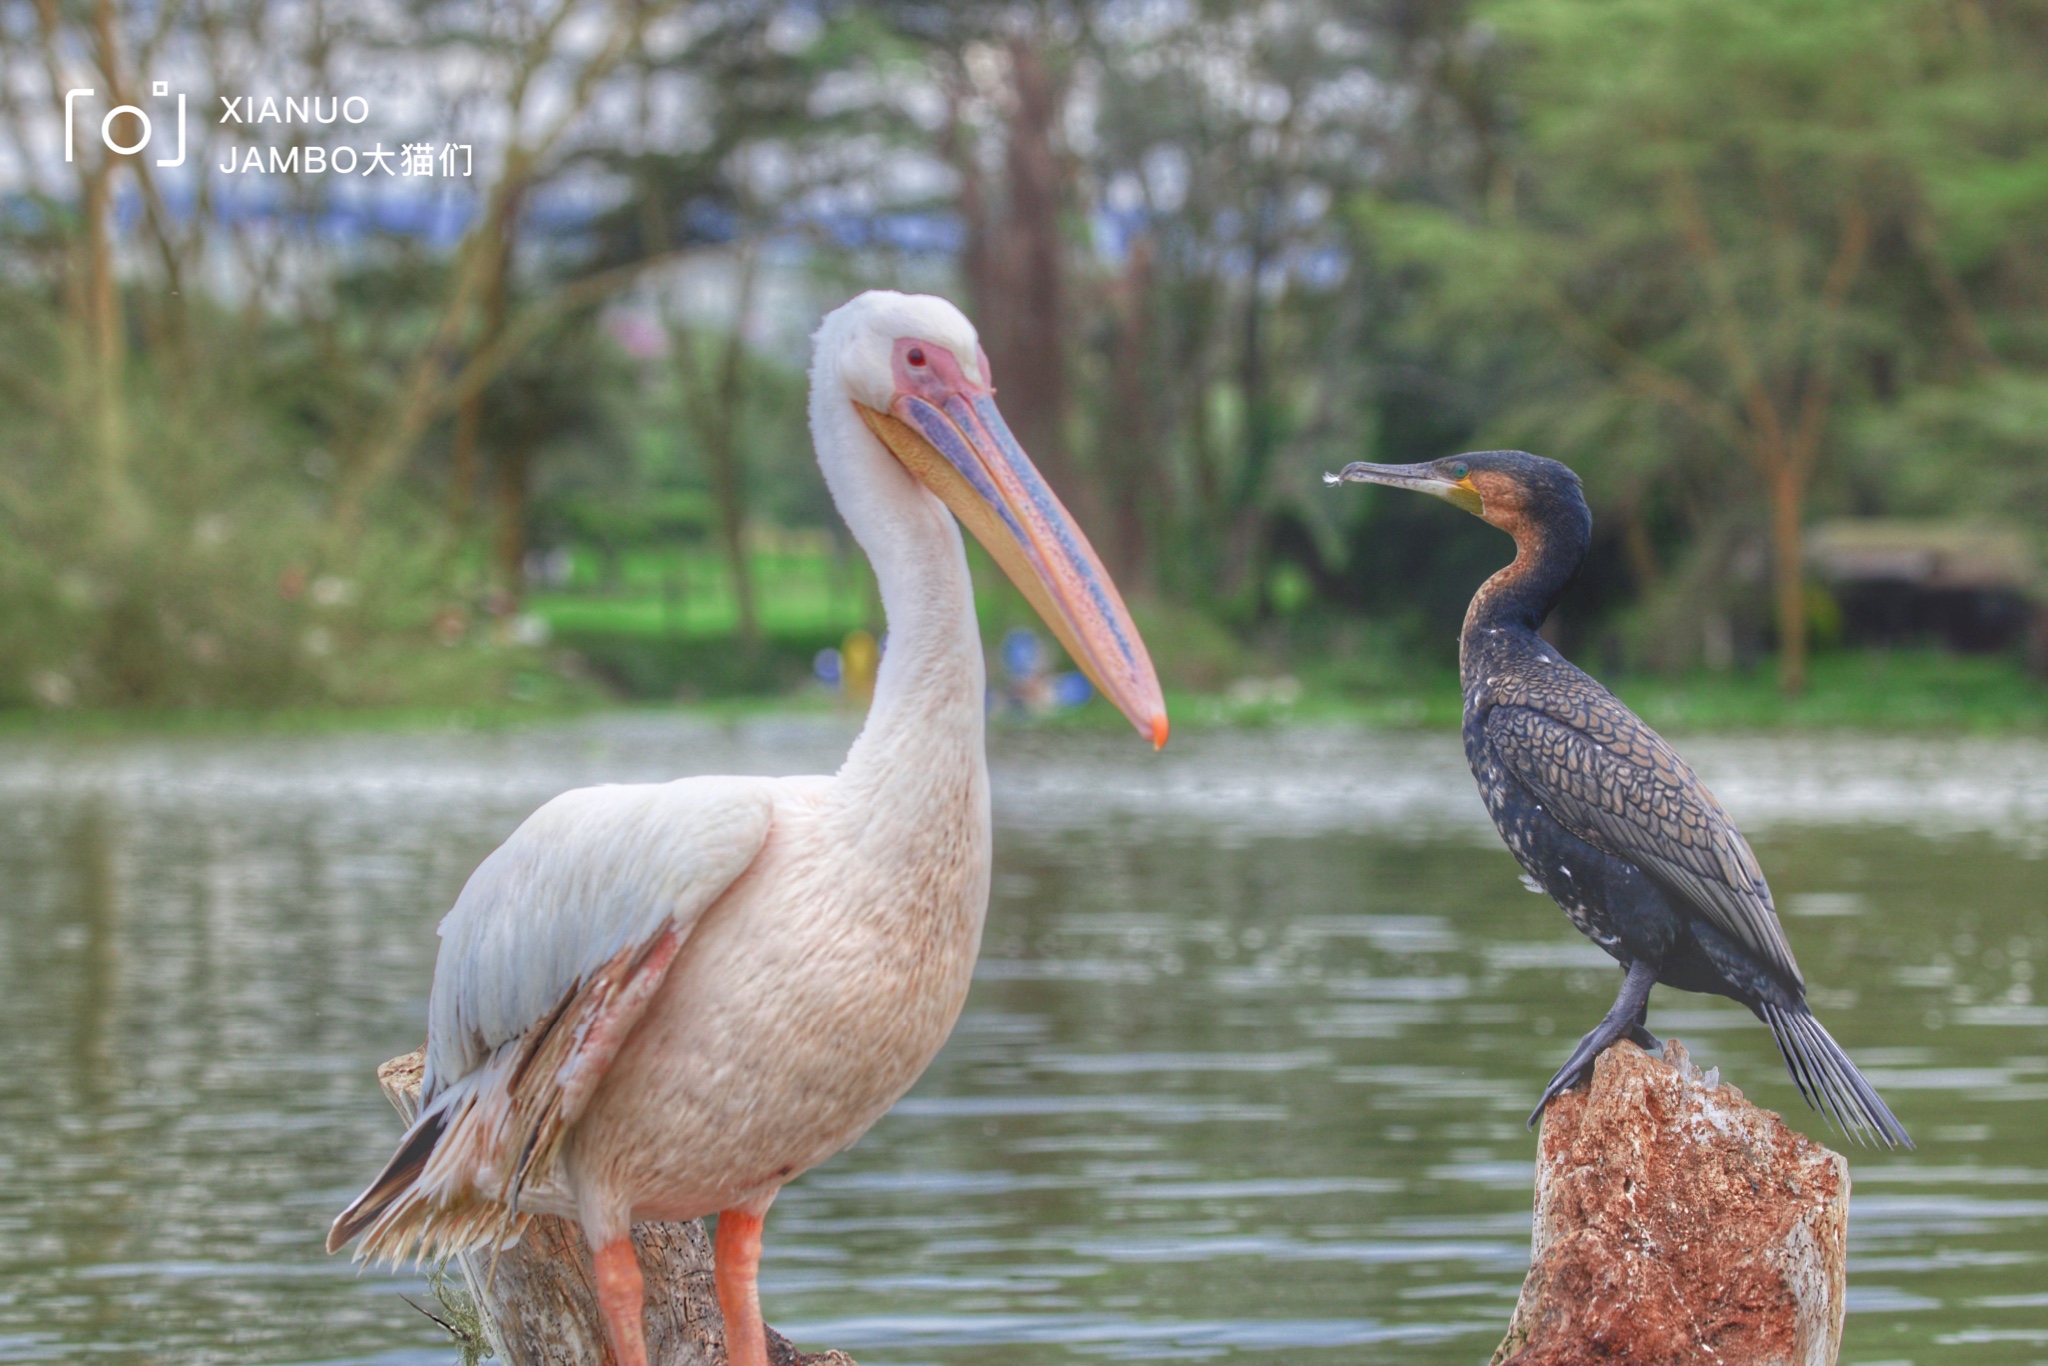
(1641, 1037)
(736, 1250)
(621, 1296)
(1624, 1020)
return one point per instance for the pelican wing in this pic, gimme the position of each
(592, 874)
(551, 954)
(1616, 784)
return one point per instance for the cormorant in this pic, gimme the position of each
(1600, 811)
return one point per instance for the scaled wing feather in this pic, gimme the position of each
(1616, 784)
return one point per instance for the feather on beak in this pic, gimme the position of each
(1421, 478)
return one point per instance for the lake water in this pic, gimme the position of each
(1242, 1076)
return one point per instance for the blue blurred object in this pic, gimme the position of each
(1029, 686)
(1071, 690)
(1023, 653)
(827, 667)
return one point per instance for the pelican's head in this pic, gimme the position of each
(917, 376)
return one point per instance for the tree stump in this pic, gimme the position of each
(1678, 1223)
(540, 1306)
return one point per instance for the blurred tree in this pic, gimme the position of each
(549, 400)
(712, 383)
(541, 70)
(1738, 262)
(1723, 211)
(1231, 334)
(1004, 73)
(716, 185)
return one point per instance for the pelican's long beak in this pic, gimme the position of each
(1421, 478)
(944, 427)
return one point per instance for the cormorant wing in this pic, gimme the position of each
(1612, 781)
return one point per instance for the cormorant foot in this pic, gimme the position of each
(1624, 1021)
(1579, 1066)
(1645, 1040)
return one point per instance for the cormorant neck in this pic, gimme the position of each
(1518, 598)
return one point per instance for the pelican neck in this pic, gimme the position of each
(929, 700)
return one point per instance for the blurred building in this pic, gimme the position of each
(1971, 587)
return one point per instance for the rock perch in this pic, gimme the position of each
(540, 1306)
(1678, 1223)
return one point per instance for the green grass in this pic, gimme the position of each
(701, 617)
(1917, 690)
(123, 723)
(1913, 693)
(662, 625)
(688, 594)
(661, 630)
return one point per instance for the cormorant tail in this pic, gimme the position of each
(398, 1175)
(1828, 1080)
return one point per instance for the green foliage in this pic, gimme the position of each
(680, 668)
(1964, 449)
(1190, 649)
(227, 589)
(1680, 244)
(1891, 692)
(1723, 244)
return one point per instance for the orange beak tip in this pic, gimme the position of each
(1159, 729)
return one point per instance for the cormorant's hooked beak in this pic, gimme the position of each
(944, 427)
(1421, 478)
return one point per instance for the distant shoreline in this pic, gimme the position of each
(1921, 693)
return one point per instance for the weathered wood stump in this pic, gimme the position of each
(540, 1306)
(1677, 1223)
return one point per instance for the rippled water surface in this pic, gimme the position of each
(1242, 1076)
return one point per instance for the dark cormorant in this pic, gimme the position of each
(1601, 812)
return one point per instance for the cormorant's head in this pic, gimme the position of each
(1518, 492)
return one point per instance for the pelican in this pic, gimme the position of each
(665, 1001)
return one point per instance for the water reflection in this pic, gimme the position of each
(1242, 1077)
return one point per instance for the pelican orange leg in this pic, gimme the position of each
(622, 1296)
(737, 1248)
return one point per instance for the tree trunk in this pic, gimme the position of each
(110, 331)
(977, 248)
(1244, 543)
(109, 353)
(462, 460)
(1678, 1222)
(1788, 497)
(514, 468)
(1015, 263)
(1033, 369)
(1637, 545)
(1127, 461)
(469, 414)
(538, 1305)
(721, 432)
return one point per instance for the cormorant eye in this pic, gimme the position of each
(915, 356)
(1460, 470)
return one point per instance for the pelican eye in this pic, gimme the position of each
(915, 356)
